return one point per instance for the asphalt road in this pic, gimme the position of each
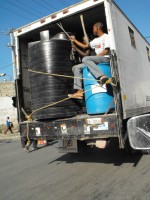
(46, 174)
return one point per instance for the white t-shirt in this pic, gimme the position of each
(100, 43)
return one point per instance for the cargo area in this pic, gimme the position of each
(72, 25)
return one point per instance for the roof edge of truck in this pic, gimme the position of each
(55, 16)
(62, 14)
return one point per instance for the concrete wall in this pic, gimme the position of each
(6, 109)
(7, 90)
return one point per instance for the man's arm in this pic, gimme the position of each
(84, 46)
(82, 53)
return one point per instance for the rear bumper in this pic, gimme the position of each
(88, 127)
(81, 127)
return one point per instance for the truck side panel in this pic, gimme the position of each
(133, 65)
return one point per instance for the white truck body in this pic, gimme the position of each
(133, 62)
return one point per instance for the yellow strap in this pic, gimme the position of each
(29, 117)
(28, 140)
(60, 75)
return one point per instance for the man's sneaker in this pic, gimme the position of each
(103, 80)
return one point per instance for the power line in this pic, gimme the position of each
(30, 7)
(41, 5)
(21, 8)
(16, 13)
(3, 33)
(50, 5)
(7, 65)
(62, 3)
(66, 2)
(77, 1)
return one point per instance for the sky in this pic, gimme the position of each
(17, 13)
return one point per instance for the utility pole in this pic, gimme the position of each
(12, 45)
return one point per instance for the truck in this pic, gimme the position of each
(129, 123)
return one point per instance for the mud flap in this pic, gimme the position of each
(67, 145)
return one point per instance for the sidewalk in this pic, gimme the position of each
(10, 136)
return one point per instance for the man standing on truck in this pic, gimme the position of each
(102, 49)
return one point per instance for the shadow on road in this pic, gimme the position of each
(110, 155)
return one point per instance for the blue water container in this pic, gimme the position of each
(98, 99)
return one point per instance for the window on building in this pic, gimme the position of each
(148, 53)
(132, 38)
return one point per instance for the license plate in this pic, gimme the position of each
(42, 142)
(94, 121)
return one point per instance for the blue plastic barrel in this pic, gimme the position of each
(98, 99)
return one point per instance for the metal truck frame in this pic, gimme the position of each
(130, 65)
